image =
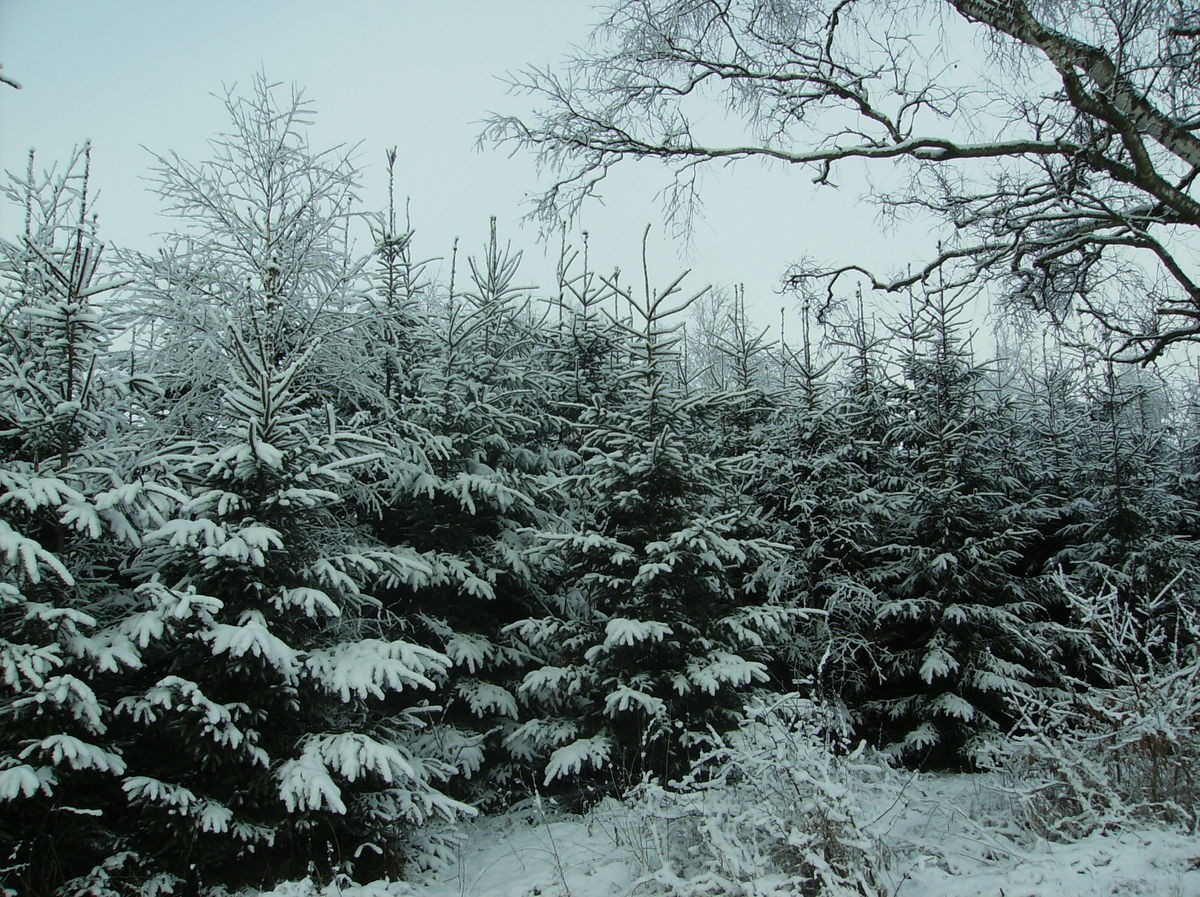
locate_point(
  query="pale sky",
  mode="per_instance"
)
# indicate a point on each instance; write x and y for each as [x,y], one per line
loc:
[136,76]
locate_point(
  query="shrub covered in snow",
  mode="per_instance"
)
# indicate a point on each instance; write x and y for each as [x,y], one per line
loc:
[1126,744]
[780,805]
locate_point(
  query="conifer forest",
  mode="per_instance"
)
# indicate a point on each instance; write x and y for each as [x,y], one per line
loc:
[331,561]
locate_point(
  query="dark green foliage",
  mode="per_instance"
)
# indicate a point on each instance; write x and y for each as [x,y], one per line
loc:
[961,628]
[71,510]
[663,609]
[259,746]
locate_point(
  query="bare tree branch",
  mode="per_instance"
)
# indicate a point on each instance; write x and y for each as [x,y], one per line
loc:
[4,79]
[1072,184]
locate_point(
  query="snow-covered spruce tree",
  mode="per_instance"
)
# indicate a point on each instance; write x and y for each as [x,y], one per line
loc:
[71,510]
[272,731]
[1134,519]
[479,414]
[1112,462]
[584,346]
[824,481]
[256,317]
[776,411]
[960,626]
[663,606]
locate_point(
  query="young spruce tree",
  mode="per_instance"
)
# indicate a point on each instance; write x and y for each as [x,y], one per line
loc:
[960,628]
[659,625]
[272,734]
[72,510]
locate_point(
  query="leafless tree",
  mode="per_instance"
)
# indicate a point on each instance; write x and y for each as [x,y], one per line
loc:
[1057,139]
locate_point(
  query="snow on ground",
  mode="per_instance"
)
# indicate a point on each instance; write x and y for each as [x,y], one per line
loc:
[1132,864]
[961,843]
[947,837]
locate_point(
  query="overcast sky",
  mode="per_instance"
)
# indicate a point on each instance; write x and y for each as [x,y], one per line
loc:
[136,76]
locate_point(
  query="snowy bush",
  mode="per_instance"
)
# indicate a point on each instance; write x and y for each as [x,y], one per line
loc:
[1124,745]
[778,807]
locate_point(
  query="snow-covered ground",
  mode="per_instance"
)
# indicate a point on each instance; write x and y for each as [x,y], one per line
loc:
[944,836]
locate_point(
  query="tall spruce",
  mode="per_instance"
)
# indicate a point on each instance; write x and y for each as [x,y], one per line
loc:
[825,480]
[959,628]
[660,623]
[287,621]
[489,437]
[72,511]
[1133,522]
[262,248]
[272,732]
